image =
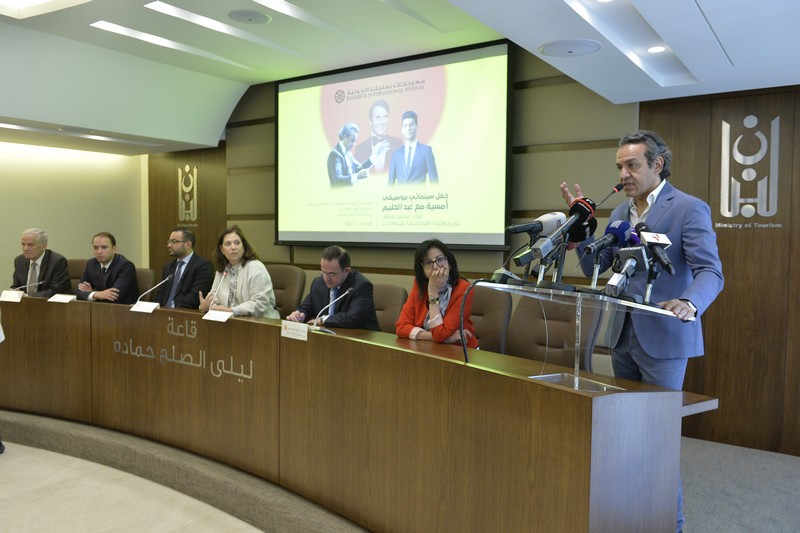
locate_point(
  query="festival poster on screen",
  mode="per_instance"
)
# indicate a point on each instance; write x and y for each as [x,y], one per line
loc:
[453,183]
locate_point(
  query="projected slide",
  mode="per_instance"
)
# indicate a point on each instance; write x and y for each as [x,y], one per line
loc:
[396,154]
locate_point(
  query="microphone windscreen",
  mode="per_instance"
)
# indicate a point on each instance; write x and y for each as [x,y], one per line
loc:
[582,231]
[621,230]
[583,207]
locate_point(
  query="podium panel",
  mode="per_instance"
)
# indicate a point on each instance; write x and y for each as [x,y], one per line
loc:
[204,386]
[45,360]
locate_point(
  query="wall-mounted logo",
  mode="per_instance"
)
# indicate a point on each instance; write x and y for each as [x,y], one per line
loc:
[757,172]
[187,193]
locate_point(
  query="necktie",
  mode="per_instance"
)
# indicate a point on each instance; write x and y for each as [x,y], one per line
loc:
[33,277]
[408,158]
[105,276]
[174,288]
[331,309]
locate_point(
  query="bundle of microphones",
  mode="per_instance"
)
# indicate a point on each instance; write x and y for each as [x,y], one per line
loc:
[639,248]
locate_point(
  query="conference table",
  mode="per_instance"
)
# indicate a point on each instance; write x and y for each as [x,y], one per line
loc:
[393,434]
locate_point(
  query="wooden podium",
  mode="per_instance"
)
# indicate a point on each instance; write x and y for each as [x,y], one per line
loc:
[393,434]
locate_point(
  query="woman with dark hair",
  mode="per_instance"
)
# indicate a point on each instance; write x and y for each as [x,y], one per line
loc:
[432,311]
[241,284]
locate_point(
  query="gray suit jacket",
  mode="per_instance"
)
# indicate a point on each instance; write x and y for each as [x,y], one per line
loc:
[686,220]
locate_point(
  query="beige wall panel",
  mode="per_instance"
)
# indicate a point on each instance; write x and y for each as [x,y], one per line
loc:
[258,102]
[77,194]
[251,194]
[251,146]
[537,177]
[567,113]
[529,67]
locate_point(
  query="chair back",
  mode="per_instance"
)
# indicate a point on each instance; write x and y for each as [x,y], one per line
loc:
[288,283]
[75,268]
[145,279]
[491,311]
[389,300]
[545,331]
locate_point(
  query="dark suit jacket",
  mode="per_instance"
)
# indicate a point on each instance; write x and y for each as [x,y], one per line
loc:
[355,311]
[338,173]
[198,275]
[423,165]
[53,274]
[121,275]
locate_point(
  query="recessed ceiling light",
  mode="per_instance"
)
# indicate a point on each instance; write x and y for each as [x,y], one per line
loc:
[656,49]
[248,16]
[570,48]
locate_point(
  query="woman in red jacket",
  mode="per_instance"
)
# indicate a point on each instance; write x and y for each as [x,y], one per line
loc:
[432,311]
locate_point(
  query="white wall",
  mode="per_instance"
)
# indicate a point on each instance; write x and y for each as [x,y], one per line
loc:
[71,195]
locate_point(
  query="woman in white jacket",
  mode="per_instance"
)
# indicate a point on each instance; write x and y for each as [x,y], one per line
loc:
[241,284]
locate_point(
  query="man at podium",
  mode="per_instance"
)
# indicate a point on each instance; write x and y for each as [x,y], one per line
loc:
[647,347]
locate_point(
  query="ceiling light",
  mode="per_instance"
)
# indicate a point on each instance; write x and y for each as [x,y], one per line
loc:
[624,27]
[22,9]
[161,41]
[657,49]
[570,48]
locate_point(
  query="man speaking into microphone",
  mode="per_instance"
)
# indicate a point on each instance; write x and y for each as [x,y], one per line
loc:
[647,347]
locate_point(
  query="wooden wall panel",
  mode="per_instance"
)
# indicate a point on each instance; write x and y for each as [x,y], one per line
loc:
[163,200]
[746,329]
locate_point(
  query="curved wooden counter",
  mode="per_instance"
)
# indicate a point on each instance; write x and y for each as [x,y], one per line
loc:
[371,427]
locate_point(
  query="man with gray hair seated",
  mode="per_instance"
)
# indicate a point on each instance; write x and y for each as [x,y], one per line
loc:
[38,271]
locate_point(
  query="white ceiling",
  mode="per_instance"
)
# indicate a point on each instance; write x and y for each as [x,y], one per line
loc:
[64,79]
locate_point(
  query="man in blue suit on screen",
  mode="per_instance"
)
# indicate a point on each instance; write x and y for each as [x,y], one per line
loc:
[413,162]
[647,347]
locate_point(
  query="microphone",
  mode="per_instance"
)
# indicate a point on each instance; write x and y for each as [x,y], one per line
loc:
[657,243]
[633,258]
[316,319]
[618,232]
[26,286]
[214,299]
[581,232]
[581,210]
[544,224]
[614,190]
[154,287]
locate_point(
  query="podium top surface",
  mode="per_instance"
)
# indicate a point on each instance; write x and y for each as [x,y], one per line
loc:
[585,297]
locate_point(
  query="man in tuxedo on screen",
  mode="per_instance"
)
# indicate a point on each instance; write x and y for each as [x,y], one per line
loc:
[379,143]
[413,162]
[646,347]
[354,311]
[343,169]
[44,271]
[190,273]
[109,276]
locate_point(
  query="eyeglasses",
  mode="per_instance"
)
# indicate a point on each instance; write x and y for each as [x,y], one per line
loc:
[440,261]
[330,275]
[174,241]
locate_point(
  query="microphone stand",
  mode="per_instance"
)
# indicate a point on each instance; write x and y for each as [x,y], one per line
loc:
[652,274]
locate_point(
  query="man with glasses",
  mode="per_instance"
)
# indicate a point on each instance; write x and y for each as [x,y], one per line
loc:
[191,273]
[355,310]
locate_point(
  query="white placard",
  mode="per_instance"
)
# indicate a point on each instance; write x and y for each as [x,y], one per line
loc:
[145,307]
[218,316]
[11,296]
[62,298]
[294,330]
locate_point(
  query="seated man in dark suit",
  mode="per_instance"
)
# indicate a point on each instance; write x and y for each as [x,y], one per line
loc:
[43,271]
[195,274]
[109,277]
[355,311]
